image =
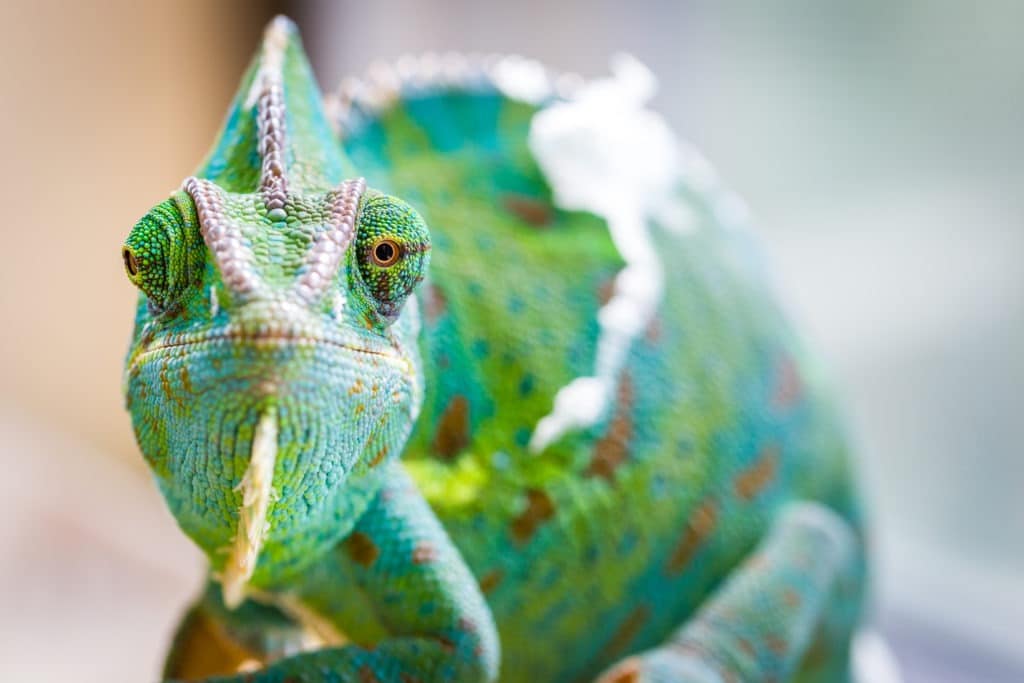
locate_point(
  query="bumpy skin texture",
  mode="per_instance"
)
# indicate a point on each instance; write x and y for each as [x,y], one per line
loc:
[350,448]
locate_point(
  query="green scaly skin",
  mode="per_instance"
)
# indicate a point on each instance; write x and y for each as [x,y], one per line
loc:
[351,448]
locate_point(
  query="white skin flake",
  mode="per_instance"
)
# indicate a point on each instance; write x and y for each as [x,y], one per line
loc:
[605,153]
[214,303]
[257,493]
[522,79]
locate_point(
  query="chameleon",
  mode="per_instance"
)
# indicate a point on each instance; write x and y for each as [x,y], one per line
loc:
[473,371]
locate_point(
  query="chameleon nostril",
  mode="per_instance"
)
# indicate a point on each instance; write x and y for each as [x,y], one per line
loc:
[130,264]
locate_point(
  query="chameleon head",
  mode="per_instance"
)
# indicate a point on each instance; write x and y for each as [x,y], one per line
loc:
[273,366]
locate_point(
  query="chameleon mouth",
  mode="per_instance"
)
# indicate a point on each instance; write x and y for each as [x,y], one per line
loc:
[257,495]
[268,339]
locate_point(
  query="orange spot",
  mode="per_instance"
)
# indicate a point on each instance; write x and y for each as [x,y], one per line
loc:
[447,644]
[186,380]
[627,631]
[776,644]
[539,508]
[626,671]
[361,549]
[534,211]
[612,449]
[381,454]
[700,525]
[356,387]
[788,384]
[453,428]
[605,291]
[491,580]
[165,383]
[755,478]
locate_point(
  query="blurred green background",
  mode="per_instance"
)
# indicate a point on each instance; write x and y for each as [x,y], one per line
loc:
[878,143]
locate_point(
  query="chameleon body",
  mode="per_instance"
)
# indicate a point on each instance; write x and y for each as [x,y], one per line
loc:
[588,441]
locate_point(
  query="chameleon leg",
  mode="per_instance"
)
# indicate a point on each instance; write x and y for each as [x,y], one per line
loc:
[827,658]
[759,624]
[211,640]
[423,593]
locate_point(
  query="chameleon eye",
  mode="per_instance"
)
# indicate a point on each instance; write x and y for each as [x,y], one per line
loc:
[163,252]
[385,253]
[131,265]
[391,252]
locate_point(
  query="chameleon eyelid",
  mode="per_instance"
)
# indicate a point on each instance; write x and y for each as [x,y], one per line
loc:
[131,264]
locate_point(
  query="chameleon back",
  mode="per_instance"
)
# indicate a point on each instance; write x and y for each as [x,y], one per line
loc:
[606,536]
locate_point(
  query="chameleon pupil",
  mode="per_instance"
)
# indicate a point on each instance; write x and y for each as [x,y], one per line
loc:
[385,253]
[130,264]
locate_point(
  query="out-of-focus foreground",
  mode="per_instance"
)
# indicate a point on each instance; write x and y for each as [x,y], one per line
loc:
[878,144]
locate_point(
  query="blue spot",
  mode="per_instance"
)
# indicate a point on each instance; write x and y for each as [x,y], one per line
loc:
[658,487]
[481,348]
[526,385]
[628,542]
[522,437]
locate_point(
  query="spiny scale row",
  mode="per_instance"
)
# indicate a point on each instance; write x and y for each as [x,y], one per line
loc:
[515,76]
[270,122]
[324,257]
[222,236]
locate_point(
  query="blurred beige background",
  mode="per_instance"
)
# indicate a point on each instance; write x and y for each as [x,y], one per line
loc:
[106,108]
[878,143]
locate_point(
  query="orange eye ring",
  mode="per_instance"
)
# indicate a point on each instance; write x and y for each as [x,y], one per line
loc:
[385,253]
[131,264]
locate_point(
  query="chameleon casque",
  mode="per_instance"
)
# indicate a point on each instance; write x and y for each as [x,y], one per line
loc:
[564,433]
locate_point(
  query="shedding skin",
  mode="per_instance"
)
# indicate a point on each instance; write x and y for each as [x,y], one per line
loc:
[257,489]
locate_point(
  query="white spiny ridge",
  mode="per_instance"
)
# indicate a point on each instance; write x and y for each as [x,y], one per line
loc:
[222,236]
[518,78]
[268,94]
[323,258]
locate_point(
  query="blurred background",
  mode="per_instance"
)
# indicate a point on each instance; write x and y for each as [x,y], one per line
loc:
[878,142]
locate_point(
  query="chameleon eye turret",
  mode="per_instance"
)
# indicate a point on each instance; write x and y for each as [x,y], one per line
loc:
[162,254]
[392,250]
